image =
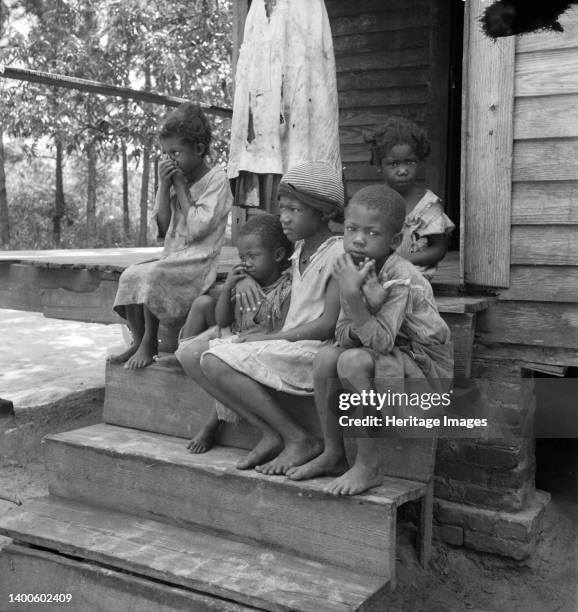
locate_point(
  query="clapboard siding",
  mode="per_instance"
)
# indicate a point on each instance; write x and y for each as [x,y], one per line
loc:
[546,73]
[555,245]
[545,41]
[540,203]
[554,117]
[546,159]
[386,54]
[542,284]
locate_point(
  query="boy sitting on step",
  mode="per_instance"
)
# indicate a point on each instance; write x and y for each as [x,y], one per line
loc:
[264,251]
[389,329]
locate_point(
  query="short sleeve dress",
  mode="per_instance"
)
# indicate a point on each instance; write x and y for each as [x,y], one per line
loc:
[281,364]
[426,219]
[188,264]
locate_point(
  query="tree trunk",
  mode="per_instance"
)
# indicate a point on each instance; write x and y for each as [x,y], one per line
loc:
[144,192]
[91,196]
[59,197]
[125,211]
[4,219]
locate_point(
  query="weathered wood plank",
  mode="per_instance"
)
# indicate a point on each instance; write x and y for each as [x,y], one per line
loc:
[543,41]
[524,353]
[546,73]
[487,145]
[531,323]
[384,21]
[412,94]
[538,203]
[383,59]
[542,284]
[381,79]
[545,245]
[340,8]
[461,304]
[554,117]
[545,160]
[373,117]
[394,41]
[155,476]
[196,560]
[95,588]
[463,328]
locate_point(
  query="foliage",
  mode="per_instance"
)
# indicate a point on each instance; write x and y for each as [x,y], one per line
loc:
[184,45]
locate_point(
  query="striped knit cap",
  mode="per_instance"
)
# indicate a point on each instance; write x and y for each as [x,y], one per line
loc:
[315,184]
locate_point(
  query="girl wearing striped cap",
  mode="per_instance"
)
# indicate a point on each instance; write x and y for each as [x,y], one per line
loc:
[242,376]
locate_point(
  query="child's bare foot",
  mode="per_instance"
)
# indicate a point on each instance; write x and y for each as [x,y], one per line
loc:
[357,480]
[143,356]
[125,355]
[205,439]
[326,464]
[295,453]
[269,446]
[167,361]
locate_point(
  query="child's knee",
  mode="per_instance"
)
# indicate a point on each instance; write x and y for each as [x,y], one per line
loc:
[325,363]
[204,303]
[355,362]
[212,367]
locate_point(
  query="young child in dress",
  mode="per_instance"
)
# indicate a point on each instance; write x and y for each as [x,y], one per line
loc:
[241,376]
[191,209]
[389,330]
[399,147]
[264,251]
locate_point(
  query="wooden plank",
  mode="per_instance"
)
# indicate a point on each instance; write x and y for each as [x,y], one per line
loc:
[531,323]
[94,588]
[546,160]
[374,116]
[341,8]
[555,245]
[394,41]
[487,150]
[523,353]
[552,117]
[383,21]
[157,477]
[381,79]
[535,203]
[546,73]
[542,284]
[462,327]
[461,304]
[548,40]
[392,58]
[247,574]
[412,94]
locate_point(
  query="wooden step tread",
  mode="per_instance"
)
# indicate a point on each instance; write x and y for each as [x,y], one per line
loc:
[163,449]
[206,563]
[461,304]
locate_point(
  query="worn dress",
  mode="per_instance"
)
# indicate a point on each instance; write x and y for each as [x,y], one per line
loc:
[426,219]
[188,264]
[406,336]
[281,364]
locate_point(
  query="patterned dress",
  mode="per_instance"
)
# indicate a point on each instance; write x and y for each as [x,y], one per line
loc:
[188,264]
[281,364]
[426,219]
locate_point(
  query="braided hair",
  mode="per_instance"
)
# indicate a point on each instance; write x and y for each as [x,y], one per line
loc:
[398,131]
[188,123]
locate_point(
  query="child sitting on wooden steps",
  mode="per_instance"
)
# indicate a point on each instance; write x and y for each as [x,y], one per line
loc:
[399,148]
[243,375]
[264,251]
[389,329]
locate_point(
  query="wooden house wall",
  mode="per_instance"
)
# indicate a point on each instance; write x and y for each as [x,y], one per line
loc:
[384,52]
[540,307]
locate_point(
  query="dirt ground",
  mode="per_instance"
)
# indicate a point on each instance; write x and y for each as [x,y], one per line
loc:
[457,579]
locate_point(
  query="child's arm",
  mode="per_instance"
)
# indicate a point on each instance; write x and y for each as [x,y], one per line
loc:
[435,251]
[322,328]
[376,331]
[224,309]
[167,169]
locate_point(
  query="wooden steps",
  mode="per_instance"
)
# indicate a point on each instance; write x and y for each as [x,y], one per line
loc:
[155,476]
[212,572]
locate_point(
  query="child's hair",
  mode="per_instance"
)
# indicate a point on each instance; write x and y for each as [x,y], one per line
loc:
[398,131]
[385,200]
[188,123]
[269,231]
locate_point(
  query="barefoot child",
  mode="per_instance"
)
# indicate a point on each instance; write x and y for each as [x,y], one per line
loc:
[264,251]
[192,204]
[242,375]
[389,329]
[399,147]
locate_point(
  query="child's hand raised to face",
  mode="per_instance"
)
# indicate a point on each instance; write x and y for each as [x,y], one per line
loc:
[348,275]
[235,275]
[169,171]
